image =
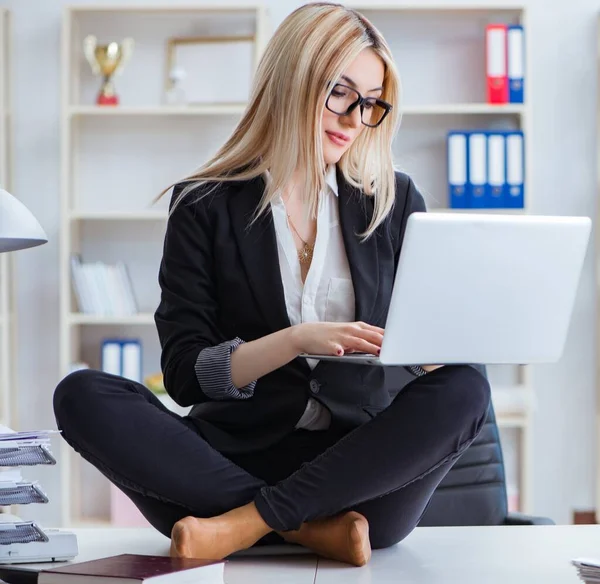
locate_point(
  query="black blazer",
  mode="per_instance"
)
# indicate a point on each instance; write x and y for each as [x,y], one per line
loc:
[220,279]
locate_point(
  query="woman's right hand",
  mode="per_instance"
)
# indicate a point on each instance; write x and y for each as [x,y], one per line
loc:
[336,338]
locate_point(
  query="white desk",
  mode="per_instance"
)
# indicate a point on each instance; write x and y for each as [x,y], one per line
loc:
[429,555]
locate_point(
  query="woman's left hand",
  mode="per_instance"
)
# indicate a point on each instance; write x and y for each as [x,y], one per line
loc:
[430,368]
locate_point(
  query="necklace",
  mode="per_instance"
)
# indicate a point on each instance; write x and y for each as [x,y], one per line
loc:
[306,253]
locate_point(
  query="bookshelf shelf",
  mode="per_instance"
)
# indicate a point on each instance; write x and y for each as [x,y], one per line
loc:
[162,110]
[464,109]
[238,110]
[118,216]
[512,421]
[145,318]
[436,9]
[166,9]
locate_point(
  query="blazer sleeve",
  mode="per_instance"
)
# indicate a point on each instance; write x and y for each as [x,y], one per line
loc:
[195,358]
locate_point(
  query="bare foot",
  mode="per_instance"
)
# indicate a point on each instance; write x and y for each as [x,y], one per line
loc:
[217,537]
[199,538]
[344,538]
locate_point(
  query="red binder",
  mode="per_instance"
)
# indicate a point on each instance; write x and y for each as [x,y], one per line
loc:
[496,63]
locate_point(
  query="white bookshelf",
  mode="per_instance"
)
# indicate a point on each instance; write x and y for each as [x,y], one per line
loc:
[429,43]
[597,268]
[115,160]
[7,328]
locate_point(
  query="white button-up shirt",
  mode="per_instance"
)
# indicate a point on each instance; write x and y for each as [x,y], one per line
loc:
[328,293]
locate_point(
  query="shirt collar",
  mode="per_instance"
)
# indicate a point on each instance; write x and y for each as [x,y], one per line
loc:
[331,178]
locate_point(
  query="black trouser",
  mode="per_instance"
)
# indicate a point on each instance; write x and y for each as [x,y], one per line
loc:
[386,469]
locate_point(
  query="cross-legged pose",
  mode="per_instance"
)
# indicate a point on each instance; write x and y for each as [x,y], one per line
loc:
[285,242]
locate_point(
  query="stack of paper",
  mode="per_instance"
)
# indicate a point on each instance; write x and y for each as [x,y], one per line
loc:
[588,569]
[19,449]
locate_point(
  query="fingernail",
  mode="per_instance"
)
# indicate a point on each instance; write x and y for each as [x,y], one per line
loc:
[339,351]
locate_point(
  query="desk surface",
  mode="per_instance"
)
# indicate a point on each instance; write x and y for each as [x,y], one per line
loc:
[429,555]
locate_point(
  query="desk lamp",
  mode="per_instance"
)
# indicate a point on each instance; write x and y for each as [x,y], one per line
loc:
[19,229]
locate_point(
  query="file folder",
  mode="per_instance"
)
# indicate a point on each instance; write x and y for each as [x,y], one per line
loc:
[496,63]
[496,162]
[516,63]
[477,150]
[515,170]
[457,170]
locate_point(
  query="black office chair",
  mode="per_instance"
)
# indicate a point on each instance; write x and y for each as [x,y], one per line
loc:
[474,490]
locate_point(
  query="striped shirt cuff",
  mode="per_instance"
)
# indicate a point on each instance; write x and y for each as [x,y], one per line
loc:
[213,371]
[416,370]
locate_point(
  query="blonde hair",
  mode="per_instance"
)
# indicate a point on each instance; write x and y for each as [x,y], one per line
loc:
[281,131]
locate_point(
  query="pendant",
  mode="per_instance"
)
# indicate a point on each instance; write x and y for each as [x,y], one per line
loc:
[305,254]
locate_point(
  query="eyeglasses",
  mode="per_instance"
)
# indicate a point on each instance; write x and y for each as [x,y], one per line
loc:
[343,100]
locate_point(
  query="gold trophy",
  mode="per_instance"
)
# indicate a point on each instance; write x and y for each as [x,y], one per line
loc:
[108,61]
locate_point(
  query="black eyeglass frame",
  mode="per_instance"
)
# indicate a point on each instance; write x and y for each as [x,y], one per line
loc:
[360,102]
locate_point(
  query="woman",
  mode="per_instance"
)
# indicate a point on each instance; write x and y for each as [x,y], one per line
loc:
[285,242]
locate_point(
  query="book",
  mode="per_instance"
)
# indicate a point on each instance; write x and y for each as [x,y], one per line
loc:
[137,569]
[588,569]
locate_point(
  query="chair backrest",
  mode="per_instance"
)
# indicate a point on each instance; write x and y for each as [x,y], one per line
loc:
[474,490]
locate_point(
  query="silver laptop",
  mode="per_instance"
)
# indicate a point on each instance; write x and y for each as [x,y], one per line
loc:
[482,288]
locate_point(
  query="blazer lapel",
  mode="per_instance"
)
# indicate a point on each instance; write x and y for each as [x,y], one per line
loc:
[355,213]
[258,249]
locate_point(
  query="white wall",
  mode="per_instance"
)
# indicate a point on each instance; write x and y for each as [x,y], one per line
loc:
[564,83]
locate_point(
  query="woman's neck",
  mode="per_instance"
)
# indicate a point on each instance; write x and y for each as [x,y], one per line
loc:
[295,186]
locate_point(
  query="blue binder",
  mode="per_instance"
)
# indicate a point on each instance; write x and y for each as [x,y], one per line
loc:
[122,357]
[111,357]
[516,63]
[131,352]
[496,188]
[515,170]
[477,174]
[457,152]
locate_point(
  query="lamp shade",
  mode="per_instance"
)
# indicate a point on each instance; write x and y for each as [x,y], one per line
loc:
[19,229]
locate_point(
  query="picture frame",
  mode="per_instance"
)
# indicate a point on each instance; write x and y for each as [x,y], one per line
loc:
[209,69]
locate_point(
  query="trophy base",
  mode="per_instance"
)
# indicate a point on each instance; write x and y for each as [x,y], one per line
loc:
[107,100]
